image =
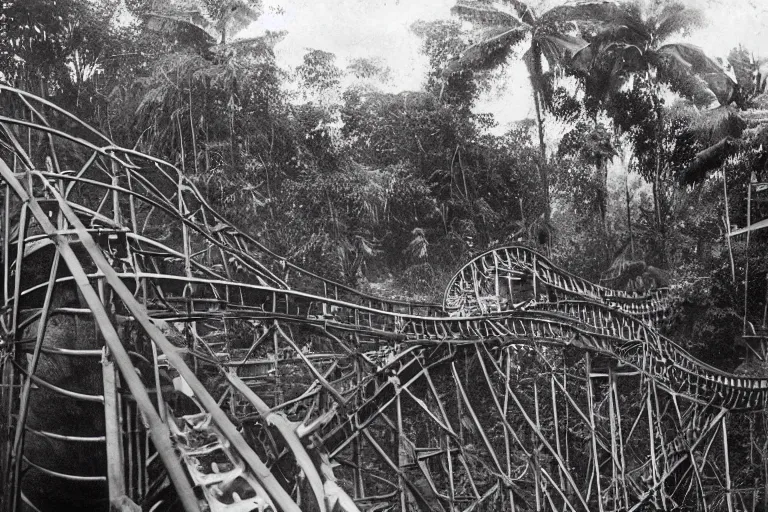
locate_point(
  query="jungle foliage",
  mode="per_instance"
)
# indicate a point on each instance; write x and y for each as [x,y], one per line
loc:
[328,167]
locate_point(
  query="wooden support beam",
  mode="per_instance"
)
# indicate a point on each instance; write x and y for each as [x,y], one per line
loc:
[542,439]
[727,458]
[400,461]
[112,429]
[640,503]
[6,438]
[591,408]
[536,442]
[359,490]
[615,470]
[652,440]
[505,409]
[622,461]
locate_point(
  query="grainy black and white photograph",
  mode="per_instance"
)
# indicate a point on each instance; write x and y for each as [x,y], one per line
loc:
[383,255]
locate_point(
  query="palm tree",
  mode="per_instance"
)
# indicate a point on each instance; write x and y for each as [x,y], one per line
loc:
[633,46]
[553,37]
[215,19]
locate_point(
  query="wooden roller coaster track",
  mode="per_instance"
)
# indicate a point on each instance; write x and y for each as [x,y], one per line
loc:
[491,283]
[153,353]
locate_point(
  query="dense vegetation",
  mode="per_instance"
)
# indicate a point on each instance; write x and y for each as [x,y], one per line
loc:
[361,185]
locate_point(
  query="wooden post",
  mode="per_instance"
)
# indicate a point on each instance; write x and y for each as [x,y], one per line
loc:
[622,460]
[507,371]
[276,348]
[451,485]
[114,438]
[5,435]
[496,281]
[400,461]
[659,429]
[158,389]
[726,454]
[126,420]
[590,406]
[537,472]
[652,441]
[567,418]
[746,250]
[358,474]
[6,241]
[556,426]
[614,450]
[23,221]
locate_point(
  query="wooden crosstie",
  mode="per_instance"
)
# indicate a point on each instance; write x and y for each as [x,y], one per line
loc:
[499,279]
[153,352]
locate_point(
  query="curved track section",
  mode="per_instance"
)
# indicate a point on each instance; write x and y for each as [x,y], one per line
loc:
[507,278]
[207,384]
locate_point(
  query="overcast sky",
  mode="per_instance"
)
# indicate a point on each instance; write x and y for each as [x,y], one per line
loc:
[381,28]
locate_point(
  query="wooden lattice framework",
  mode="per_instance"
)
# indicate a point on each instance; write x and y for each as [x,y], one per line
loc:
[210,383]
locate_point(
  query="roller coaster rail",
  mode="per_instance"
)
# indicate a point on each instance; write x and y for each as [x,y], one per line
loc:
[216,386]
[487,283]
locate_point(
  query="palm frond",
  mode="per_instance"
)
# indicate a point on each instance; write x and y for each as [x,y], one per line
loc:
[710,159]
[677,18]
[686,84]
[209,19]
[558,50]
[232,16]
[418,248]
[249,46]
[524,11]
[565,44]
[493,46]
[678,59]
[715,125]
[193,22]
[488,13]
[590,12]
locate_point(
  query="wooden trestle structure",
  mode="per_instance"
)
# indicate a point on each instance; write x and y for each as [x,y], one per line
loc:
[153,352]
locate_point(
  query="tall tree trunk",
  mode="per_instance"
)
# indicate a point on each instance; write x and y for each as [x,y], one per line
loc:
[207,140]
[192,128]
[657,170]
[533,62]
[603,169]
[629,216]
[657,193]
[543,172]
[540,125]
[727,222]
